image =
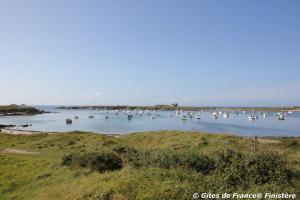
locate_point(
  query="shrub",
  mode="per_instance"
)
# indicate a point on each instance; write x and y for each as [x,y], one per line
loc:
[238,170]
[124,150]
[96,161]
[169,159]
[269,167]
[290,143]
[200,163]
[71,142]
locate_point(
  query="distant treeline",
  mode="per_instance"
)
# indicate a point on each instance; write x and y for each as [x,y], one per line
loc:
[190,108]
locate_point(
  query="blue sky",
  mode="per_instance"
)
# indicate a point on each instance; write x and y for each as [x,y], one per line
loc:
[224,53]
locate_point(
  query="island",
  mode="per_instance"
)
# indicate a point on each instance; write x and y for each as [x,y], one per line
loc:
[13,109]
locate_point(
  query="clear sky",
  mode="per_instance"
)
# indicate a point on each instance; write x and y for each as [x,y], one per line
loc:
[194,52]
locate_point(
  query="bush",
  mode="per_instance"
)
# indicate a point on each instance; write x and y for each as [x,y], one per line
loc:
[200,163]
[169,159]
[269,167]
[238,170]
[96,161]
[290,143]
[225,170]
[71,142]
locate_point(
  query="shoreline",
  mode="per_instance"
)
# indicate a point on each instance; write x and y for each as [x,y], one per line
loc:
[185,108]
[31,132]
[11,131]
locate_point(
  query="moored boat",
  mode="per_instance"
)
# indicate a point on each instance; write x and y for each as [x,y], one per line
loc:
[281,117]
[68,121]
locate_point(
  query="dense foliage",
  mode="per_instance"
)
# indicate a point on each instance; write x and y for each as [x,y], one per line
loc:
[155,165]
[229,168]
[98,161]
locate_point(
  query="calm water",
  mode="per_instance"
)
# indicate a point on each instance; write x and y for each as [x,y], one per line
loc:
[235,124]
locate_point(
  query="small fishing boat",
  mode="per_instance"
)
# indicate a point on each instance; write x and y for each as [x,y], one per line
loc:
[129,117]
[198,117]
[106,117]
[91,116]
[68,121]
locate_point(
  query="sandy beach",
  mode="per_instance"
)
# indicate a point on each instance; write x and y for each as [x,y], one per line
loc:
[21,132]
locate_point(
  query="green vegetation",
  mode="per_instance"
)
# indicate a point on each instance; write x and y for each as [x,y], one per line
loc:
[96,161]
[152,165]
[18,110]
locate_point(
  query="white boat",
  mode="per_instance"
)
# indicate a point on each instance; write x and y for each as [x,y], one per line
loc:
[281,117]
[264,115]
[184,117]
[215,115]
[198,117]
[277,114]
[252,117]
[226,115]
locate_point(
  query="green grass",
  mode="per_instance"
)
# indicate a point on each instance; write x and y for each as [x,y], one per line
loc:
[155,165]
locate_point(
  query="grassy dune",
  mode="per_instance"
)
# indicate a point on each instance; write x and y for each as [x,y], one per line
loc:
[154,165]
